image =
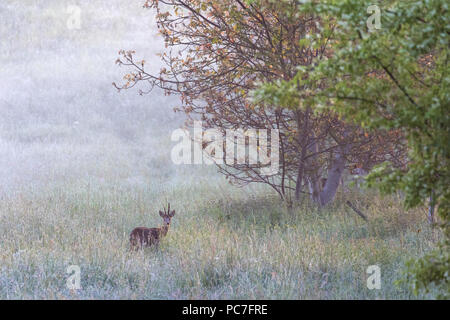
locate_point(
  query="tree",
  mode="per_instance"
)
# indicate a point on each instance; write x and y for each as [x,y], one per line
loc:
[217,53]
[395,78]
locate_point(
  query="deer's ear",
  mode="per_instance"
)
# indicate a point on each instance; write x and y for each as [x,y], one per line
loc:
[161,213]
[172,213]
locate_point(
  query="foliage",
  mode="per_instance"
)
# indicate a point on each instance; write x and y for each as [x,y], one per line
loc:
[432,270]
[395,77]
[216,54]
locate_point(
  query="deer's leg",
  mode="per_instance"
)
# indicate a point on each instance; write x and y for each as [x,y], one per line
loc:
[132,242]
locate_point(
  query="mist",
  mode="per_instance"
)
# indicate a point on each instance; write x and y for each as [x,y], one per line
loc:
[61,118]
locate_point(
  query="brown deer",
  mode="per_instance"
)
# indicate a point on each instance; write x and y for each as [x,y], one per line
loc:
[145,237]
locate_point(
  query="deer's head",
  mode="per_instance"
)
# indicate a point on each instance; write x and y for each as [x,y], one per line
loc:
[167,215]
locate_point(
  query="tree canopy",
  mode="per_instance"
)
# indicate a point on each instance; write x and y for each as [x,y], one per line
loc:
[217,53]
[393,77]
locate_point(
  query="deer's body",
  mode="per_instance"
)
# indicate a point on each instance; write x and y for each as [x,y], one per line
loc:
[145,237]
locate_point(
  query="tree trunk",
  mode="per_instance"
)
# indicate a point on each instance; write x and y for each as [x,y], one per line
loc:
[324,194]
[314,177]
[303,140]
[314,188]
[335,173]
[431,209]
[333,180]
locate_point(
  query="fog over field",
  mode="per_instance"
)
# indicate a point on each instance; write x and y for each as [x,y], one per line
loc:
[82,164]
[61,118]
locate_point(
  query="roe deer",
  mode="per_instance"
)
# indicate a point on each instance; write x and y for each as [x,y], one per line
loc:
[146,237]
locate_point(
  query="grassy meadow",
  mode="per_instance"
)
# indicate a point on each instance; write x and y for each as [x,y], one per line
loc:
[224,243]
[82,165]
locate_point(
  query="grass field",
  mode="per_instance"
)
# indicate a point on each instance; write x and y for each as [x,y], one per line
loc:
[224,243]
[81,166]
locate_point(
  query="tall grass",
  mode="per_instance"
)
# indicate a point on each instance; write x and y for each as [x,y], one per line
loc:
[224,243]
